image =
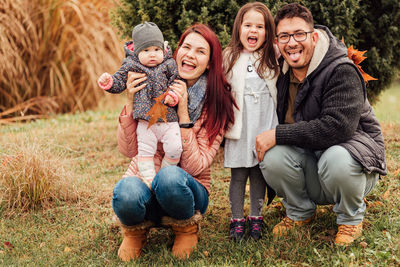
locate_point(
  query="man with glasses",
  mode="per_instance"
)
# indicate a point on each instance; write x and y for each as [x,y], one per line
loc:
[328,147]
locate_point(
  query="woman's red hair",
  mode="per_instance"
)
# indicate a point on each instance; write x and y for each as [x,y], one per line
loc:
[219,101]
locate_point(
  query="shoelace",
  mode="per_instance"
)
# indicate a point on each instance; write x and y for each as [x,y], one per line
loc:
[256,226]
[347,229]
[239,229]
[287,221]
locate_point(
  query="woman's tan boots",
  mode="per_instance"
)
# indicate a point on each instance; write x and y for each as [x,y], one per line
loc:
[185,240]
[134,239]
[186,234]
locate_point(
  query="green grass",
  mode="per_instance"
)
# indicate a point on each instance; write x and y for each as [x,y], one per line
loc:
[81,233]
[387,109]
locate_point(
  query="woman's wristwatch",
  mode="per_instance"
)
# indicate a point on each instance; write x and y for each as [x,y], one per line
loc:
[186,125]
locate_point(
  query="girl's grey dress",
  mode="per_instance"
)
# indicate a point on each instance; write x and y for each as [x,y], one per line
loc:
[259,115]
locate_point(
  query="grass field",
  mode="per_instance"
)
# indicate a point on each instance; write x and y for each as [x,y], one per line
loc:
[80,232]
[387,109]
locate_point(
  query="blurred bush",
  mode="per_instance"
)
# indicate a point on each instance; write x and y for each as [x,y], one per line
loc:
[51,53]
[371,25]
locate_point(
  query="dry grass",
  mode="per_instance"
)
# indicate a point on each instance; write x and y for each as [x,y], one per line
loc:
[32,177]
[51,53]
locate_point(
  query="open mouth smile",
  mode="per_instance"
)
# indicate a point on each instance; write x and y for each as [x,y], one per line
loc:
[188,65]
[294,54]
[252,40]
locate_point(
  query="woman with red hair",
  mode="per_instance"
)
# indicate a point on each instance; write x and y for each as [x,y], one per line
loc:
[179,194]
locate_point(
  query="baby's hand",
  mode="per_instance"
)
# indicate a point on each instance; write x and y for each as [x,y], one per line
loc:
[171,99]
[104,79]
[168,100]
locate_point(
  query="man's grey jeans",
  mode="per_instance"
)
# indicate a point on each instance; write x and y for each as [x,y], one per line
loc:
[305,178]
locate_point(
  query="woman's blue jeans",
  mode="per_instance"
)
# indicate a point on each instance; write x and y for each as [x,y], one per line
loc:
[175,194]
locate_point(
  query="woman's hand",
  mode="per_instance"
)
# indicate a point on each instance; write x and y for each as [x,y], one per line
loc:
[132,84]
[180,88]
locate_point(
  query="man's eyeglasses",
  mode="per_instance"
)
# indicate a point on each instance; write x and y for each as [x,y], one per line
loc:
[284,38]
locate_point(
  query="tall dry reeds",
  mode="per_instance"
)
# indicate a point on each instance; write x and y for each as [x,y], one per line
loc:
[32,176]
[51,53]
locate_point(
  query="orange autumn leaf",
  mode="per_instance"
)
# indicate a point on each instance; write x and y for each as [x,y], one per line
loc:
[357,57]
[158,110]
[363,244]
[8,245]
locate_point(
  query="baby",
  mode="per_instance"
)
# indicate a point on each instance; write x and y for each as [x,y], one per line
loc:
[146,54]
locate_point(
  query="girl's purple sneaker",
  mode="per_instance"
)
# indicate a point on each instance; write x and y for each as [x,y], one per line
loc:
[236,229]
[255,227]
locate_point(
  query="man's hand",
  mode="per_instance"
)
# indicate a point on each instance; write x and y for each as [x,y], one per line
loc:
[264,142]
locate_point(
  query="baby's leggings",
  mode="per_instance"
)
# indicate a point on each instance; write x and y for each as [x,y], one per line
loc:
[169,134]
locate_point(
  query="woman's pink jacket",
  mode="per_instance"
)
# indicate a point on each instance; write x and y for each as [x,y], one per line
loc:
[196,157]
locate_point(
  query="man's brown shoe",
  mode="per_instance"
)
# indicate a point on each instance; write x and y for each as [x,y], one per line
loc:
[287,224]
[347,234]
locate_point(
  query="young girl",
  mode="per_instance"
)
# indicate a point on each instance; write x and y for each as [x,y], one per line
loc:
[251,68]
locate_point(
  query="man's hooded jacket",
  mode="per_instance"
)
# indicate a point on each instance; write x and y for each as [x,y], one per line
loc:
[331,107]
